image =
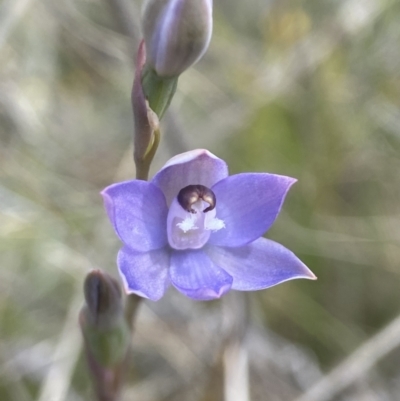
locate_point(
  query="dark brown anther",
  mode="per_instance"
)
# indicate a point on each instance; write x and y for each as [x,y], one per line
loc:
[192,193]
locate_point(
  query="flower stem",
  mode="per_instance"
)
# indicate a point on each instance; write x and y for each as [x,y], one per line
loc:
[143,165]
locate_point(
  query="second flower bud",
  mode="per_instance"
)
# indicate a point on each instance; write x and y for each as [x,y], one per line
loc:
[176,33]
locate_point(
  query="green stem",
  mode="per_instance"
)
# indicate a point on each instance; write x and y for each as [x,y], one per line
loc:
[143,165]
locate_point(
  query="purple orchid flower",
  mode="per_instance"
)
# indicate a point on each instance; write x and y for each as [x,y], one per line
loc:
[196,227]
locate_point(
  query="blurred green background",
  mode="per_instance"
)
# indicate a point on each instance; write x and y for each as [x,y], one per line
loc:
[305,88]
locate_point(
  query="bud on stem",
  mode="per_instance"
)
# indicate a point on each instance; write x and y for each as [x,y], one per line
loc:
[105,332]
[177,33]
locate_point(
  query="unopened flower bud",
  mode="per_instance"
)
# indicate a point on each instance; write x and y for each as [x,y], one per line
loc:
[103,298]
[176,33]
[102,321]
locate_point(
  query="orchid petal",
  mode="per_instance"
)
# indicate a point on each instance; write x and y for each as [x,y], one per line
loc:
[248,204]
[144,273]
[261,264]
[196,276]
[138,212]
[190,168]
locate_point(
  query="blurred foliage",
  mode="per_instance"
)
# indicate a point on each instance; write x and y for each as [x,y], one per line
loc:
[305,88]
